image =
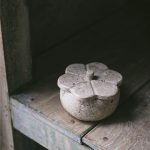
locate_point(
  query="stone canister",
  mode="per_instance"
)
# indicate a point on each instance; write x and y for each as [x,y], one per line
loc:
[89,92]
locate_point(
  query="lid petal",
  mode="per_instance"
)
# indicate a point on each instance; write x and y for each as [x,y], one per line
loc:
[67,80]
[83,90]
[111,76]
[104,90]
[96,67]
[76,69]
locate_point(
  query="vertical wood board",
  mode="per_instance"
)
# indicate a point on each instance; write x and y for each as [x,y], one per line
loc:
[15,30]
[6,137]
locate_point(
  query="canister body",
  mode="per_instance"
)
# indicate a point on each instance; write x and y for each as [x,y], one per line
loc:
[89,109]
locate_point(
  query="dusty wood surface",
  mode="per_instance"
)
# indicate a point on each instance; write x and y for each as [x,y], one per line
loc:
[116,131]
[39,98]
[36,127]
[122,130]
[43,100]
[128,127]
[52,21]
[128,131]
[6,137]
[15,27]
[136,75]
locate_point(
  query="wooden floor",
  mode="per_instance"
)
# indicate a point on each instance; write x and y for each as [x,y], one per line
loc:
[123,46]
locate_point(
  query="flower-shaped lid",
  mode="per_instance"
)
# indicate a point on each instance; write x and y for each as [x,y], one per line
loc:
[93,79]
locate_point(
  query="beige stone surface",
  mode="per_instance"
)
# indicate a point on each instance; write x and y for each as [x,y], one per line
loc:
[89,92]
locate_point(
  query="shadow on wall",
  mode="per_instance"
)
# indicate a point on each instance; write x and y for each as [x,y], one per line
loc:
[52,21]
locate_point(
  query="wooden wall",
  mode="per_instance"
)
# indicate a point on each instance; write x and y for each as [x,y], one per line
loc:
[15,27]
[6,137]
[16,41]
[53,21]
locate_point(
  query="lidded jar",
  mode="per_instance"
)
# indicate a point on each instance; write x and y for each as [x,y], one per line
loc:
[89,92]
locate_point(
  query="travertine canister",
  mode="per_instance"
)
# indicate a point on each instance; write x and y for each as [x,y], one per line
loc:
[89,92]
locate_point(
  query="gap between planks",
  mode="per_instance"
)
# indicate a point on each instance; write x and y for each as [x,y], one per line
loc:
[40,107]
[130,134]
[139,83]
[39,99]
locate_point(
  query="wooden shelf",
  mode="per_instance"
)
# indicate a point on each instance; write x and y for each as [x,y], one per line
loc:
[37,113]
[117,36]
[128,128]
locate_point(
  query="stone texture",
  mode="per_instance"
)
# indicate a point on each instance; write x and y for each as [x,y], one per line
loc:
[89,92]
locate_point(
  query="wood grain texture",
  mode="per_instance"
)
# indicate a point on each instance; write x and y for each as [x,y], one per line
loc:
[128,127]
[15,27]
[36,127]
[121,130]
[39,98]
[6,137]
[55,20]
[42,101]
[129,131]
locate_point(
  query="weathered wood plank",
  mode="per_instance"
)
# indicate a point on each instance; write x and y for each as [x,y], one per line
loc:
[53,20]
[129,131]
[42,104]
[40,98]
[43,100]
[45,106]
[134,66]
[38,128]
[6,137]
[15,27]
[127,128]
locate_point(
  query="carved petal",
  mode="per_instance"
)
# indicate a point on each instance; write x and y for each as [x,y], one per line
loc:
[77,69]
[67,80]
[112,77]
[83,90]
[104,90]
[97,68]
